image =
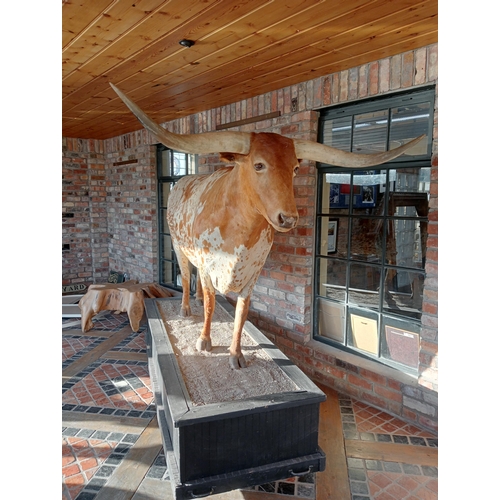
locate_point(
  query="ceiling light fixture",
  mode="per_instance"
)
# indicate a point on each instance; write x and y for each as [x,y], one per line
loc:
[186,43]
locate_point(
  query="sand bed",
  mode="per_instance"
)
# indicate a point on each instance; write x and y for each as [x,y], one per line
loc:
[207,375]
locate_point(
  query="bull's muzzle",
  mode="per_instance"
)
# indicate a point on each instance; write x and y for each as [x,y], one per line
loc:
[287,221]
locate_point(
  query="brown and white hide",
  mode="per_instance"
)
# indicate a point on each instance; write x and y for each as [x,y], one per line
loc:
[224,225]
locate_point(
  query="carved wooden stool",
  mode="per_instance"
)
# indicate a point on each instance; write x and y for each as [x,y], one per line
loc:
[121,297]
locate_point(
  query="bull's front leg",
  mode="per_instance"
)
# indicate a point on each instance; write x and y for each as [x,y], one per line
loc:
[204,342]
[236,358]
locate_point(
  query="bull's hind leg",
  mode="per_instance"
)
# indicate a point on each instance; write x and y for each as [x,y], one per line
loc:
[204,342]
[186,279]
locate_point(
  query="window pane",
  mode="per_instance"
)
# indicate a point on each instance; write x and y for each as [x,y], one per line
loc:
[400,341]
[408,122]
[191,166]
[367,190]
[167,272]
[337,133]
[337,193]
[179,166]
[331,278]
[404,293]
[165,188]
[406,242]
[370,132]
[331,320]
[364,285]
[168,252]
[367,236]
[363,331]
[163,226]
[165,163]
[410,180]
[409,192]
[334,233]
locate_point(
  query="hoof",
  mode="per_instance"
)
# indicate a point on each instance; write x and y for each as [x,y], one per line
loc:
[237,362]
[203,345]
[185,312]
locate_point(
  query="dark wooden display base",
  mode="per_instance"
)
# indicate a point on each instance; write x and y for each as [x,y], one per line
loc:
[228,445]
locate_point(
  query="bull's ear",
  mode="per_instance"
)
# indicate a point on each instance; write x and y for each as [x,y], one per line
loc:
[230,157]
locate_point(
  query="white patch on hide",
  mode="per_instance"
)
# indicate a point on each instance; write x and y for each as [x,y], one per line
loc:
[230,272]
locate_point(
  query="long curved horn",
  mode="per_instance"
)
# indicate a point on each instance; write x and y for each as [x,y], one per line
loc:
[208,142]
[326,154]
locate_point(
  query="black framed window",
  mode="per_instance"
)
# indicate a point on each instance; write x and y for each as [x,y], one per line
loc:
[372,230]
[171,166]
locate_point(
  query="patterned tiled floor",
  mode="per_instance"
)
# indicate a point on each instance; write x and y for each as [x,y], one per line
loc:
[386,480]
[89,458]
[108,404]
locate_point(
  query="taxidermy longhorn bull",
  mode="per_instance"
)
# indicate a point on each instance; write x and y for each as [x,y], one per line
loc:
[224,223]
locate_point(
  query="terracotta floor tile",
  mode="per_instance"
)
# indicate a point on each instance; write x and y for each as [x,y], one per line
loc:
[89,463]
[408,483]
[381,480]
[374,489]
[426,494]
[433,485]
[72,346]
[397,491]
[384,495]
[138,343]
[384,485]
[70,470]
[389,428]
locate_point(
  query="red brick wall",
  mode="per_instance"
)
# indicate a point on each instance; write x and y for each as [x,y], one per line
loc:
[282,300]
[110,188]
[132,206]
[85,259]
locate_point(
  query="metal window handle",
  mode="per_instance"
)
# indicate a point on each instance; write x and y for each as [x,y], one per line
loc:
[303,473]
[201,495]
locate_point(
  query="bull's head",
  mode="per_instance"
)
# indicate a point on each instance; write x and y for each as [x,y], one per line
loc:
[261,153]
[266,178]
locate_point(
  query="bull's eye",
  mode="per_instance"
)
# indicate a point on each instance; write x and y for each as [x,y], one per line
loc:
[296,170]
[259,167]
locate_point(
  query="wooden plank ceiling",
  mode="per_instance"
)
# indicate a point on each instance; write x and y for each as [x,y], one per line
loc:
[242,48]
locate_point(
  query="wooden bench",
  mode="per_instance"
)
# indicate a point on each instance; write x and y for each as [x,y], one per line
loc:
[120,297]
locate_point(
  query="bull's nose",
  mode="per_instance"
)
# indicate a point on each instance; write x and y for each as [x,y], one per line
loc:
[286,221]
